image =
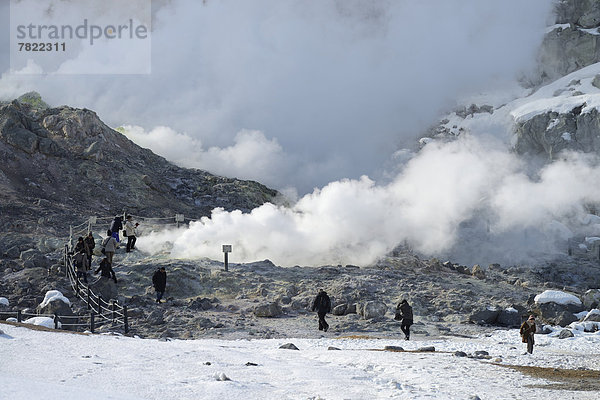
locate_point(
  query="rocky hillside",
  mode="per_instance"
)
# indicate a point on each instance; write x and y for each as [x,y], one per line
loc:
[61,165]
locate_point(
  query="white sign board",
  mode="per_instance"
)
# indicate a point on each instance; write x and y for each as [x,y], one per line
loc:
[179,218]
[226,248]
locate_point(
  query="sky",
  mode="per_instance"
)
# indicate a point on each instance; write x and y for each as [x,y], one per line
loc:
[70,367]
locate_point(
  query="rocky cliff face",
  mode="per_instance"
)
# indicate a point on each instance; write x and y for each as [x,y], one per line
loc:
[61,165]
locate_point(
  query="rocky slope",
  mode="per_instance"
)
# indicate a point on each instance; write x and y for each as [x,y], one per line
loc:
[61,165]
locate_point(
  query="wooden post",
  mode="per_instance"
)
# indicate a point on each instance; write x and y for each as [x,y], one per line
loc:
[19,316]
[55,321]
[226,262]
[113,306]
[88,298]
[226,251]
[92,322]
[98,303]
[125,321]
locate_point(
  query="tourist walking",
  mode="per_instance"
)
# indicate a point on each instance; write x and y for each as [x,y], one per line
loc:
[322,305]
[404,313]
[106,270]
[159,280]
[90,244]
[109,246]
[115,226]
[80,262]
[130,232]
[527,331]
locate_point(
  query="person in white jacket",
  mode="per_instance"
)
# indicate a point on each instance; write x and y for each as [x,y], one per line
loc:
[130,232]
[109,246]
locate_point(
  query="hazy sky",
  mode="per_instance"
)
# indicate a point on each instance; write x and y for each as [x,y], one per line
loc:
[300,92]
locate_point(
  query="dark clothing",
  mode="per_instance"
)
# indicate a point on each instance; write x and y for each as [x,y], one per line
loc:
[115,226]
[527,332]
[90,245]
[106,270]
[80,262]
[404,313]
[322,305]
[159,280]
[130,243]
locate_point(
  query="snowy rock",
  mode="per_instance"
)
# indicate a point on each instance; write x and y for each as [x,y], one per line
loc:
[41,321]
[340,309]
[393,348]
[289,346]
[268,310]
[426,349]
[558,297]
[591,299]
[372,309]
[460,354]
[55,303]
[3,302]
[565,333]
[221,377]
[593,315]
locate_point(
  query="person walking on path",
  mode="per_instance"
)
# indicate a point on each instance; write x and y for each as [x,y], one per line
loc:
[527,331]
[115,226]
[404,313]
[81,264]
[109,245]
[159,280]
[106,270]
[91,244]
[130,232]
[322,305]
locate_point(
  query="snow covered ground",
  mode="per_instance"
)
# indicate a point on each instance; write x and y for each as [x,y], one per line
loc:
[53,365]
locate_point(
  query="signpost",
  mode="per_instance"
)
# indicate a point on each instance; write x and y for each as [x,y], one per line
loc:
[226,251]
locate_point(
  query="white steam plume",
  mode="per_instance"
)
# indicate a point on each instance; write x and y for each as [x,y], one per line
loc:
[469,199]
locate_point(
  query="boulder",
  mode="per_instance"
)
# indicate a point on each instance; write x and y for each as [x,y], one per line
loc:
[105,288]
[156,317]
[509,318]
[485,317]
[268,310]
[591,299]
[289,346]
[55,303]
[200,304]
[478,272]
[564,318]
[565,333]
[372,309]
[460,354]
[553,312]
[393,348]
[426,349]
[12,252]
[593,316]
[340,309]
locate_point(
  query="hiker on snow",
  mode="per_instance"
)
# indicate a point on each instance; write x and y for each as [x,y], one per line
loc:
[109,246]
[130,232]
[159,280]
[80,262]
[106,270]
[527,331]
[404,313]
[115,226]
[322,305]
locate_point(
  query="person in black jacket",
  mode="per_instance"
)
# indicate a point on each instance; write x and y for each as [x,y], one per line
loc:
[90,242]
[106,270]
[322,305]
[159,280]
[115,226]
[404,313]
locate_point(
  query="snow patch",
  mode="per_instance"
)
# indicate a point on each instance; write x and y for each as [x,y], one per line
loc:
[41,321]
[556,296]
[3,301]
[566,136]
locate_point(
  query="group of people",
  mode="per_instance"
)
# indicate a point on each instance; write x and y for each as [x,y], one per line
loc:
[84,248]
[82,257]
[322,305]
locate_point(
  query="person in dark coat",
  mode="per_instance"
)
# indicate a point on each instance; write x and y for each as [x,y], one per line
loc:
[115,226]
[80,245]
[81,265]
[106,270]
[90,242]
[159,280]
[527,331]
[322,305]
[404,313]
